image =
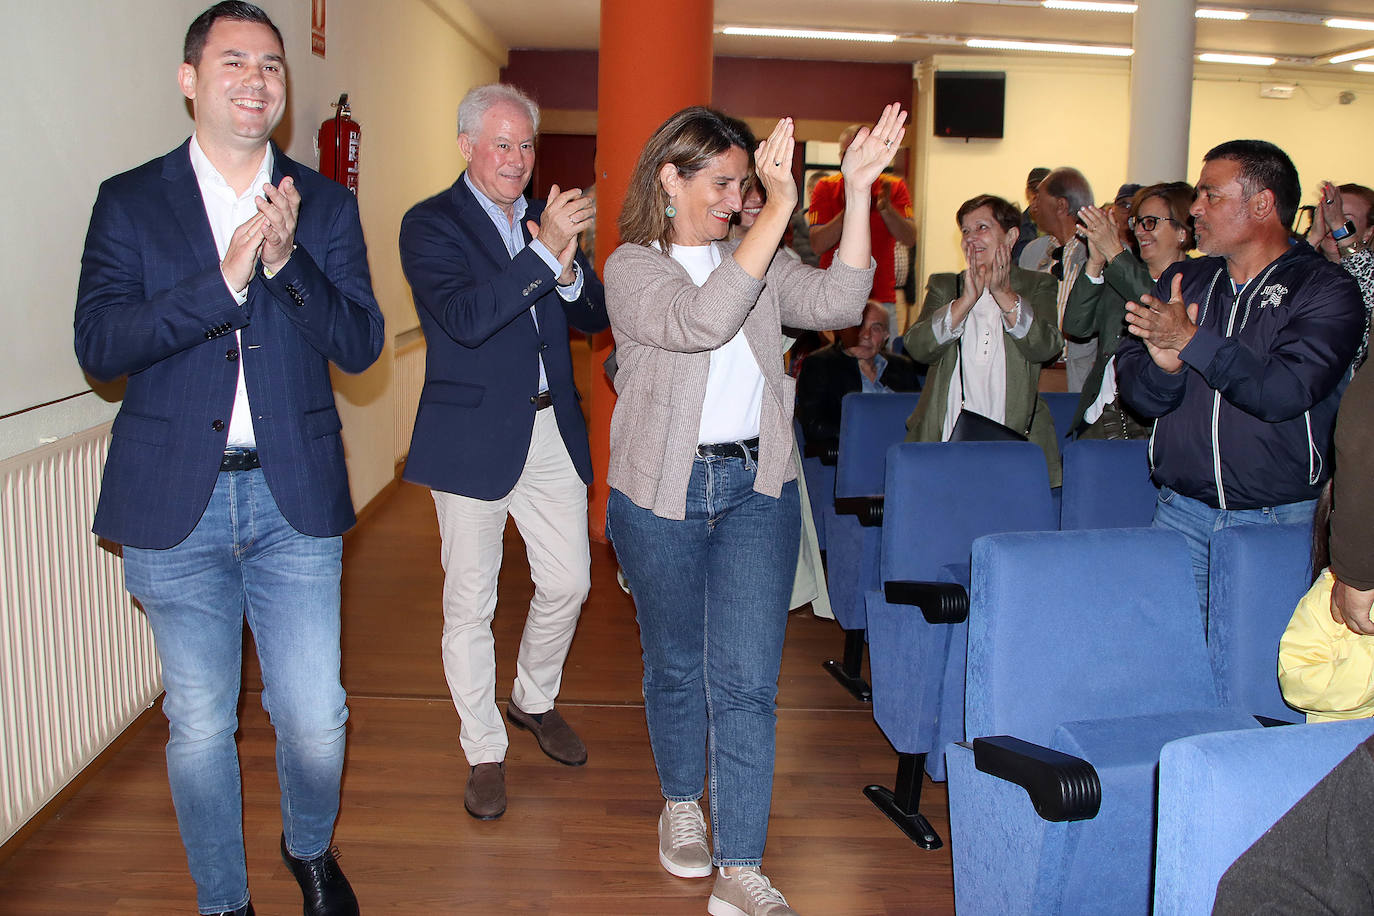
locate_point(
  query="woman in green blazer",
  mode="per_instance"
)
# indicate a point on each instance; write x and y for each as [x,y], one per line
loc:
[985,333]
[1111,277]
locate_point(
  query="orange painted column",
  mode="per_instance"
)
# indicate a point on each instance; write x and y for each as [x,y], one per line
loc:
[655,59]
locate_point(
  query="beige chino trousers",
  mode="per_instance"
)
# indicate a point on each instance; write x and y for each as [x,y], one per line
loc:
[549,506]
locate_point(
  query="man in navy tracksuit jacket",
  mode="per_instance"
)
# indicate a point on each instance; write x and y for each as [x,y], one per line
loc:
[1238,356]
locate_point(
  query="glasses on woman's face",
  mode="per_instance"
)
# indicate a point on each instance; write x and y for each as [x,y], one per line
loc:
[1148,223]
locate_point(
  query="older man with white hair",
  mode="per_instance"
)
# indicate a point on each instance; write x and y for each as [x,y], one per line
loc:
[497,280]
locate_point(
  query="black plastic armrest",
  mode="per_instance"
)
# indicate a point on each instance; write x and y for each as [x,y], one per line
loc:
[1061,787]
[940,602]
[1268,722]
[869,509]
[828,450]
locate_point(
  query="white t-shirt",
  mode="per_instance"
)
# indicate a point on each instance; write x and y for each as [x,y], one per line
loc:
[734,386]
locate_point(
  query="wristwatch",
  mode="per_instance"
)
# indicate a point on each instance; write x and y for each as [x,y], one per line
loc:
[1344,233]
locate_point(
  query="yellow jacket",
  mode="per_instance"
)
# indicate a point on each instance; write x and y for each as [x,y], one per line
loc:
[1325,670]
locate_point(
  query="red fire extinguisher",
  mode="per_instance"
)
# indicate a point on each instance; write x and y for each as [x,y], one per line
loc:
[337,145]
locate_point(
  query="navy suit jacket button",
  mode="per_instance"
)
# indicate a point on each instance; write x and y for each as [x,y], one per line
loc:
[232,354]
[217,426]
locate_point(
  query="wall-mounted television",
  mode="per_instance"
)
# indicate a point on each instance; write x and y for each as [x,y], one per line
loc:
[969,103]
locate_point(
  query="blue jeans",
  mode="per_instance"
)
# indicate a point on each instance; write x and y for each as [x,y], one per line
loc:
[711,595]
[244,560]
[1197,521]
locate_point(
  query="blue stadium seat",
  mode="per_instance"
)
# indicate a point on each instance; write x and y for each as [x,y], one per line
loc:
[1081,667]
[1219,792]
[1106,484]
[1063,405]
[1257,575]
[939,497]
[869,423]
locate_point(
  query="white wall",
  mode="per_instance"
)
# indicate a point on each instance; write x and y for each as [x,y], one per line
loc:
[1068,112]
[92,92]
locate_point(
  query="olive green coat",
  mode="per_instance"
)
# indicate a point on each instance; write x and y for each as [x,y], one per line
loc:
[1024,358]
[1100,309]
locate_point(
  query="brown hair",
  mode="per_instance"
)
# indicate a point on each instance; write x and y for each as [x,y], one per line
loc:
[1178,197]
[1006,213]
[689,140]
[1363,193]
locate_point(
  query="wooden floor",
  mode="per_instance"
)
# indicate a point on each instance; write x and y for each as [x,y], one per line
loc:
[574,840]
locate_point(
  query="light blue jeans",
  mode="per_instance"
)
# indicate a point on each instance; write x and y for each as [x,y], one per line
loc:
[1197,522]
[244,560]
[711,595]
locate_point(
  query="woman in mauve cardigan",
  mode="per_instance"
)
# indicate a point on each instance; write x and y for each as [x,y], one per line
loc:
[703,511]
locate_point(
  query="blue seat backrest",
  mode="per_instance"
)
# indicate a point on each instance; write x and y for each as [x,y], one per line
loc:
[942,495]
[1107,484]
[1257,575]
[869,424]
[1072,625]
[1063,405]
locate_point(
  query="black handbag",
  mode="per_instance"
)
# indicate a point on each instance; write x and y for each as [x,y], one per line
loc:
[971,426]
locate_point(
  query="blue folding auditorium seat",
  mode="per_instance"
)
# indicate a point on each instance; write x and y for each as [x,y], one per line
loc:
[869,423]
[1085,657]
[1257,575]
[1063,405]
[1219,792]
[1106,484]
[939,497]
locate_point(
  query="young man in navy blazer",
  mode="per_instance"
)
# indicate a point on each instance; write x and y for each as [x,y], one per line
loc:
[497,281]
[223,279]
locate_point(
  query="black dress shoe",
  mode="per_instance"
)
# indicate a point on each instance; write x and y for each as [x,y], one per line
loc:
[326,890]
[245,910]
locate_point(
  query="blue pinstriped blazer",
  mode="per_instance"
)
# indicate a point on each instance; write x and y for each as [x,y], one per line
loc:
[152,305]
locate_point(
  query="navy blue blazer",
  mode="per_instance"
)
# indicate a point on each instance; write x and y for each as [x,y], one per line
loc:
[476,413]
[152,304]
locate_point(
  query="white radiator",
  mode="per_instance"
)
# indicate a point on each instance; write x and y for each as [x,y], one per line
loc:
[77,664]
[408,377]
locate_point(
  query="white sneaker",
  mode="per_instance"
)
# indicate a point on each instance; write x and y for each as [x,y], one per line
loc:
[746,893]
[682,847]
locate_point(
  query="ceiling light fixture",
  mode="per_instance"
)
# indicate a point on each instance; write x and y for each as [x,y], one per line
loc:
[1364,68]
[1363,25]
[998,44]
[1088,7]
[1352,55]
[1230,15]
[880,37]
[1248,59]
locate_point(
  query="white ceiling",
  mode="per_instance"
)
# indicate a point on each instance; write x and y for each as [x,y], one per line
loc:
[927,28]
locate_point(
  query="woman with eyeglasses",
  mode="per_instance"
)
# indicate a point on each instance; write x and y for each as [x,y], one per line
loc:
[1113,276]
[985,333]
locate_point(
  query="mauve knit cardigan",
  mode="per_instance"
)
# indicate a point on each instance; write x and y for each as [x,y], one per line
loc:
[665,329]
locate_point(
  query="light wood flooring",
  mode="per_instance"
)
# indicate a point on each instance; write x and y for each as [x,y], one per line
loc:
[574,840]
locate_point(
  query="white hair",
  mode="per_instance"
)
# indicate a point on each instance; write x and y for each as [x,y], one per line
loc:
[481,99]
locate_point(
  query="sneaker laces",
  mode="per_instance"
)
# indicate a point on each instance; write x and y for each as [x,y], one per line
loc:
[686,824]
[759,888]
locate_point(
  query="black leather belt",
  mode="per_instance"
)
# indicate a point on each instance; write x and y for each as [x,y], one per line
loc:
[239,459]
[541,400]
[747,449]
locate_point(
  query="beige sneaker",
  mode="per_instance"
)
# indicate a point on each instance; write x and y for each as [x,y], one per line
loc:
[746,893]
[682,847]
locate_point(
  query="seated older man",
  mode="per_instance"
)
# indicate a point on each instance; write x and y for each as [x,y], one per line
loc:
[855,362]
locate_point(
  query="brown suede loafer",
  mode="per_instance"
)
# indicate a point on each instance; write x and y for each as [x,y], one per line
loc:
[555,736]
[485,796]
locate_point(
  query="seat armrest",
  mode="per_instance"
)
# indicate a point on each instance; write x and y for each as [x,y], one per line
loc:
[940,602]
[828,450]
[1061,787]
[869,509]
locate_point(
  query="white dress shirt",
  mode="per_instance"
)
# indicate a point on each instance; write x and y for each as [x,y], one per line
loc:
[227,211]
